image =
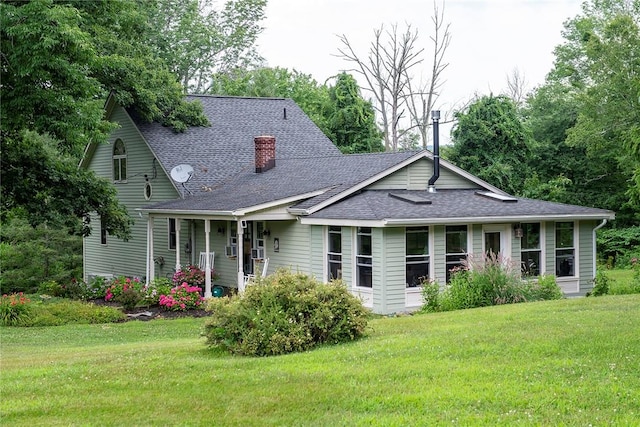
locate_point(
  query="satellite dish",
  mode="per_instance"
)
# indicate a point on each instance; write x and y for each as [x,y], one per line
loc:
[182,173]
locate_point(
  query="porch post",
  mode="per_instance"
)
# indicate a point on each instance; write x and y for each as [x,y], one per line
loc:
[240,251]
[207,262]
[177,244]
[151,273]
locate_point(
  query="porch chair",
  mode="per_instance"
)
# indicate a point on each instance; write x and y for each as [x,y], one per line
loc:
[203,259]
[251,277]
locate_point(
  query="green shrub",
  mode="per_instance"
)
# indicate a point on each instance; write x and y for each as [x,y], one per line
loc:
[32,255]
[66,311]
[490,281]
[52,288]
[153,291]
[619,244]
[430,295]
[543,288]
[15,310]
[96,288]
[600,285]
[282,313]
[125,291]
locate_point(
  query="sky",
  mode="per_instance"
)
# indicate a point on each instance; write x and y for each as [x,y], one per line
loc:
[489,38]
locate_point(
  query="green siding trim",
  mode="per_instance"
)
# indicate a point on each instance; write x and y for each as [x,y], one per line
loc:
[348,275]
[117,257]
[316,254]
[550,248]
[585,255]
[394,263]
[438,255]
[416,177]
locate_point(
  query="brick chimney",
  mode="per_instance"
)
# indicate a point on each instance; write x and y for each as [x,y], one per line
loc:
[265,153]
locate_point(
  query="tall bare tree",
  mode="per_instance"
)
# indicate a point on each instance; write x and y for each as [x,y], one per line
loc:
[421,100]
[516,86]
[391,56]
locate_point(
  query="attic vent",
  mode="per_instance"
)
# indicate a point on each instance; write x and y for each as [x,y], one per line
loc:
[496,196]
[411,198]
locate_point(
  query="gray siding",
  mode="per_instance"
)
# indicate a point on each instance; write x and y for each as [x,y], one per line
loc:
[585,255]
[394,281]
[416,177]
[550,248]
[347,256]
[378,249]
[317,252]
[118,257]
[438,255]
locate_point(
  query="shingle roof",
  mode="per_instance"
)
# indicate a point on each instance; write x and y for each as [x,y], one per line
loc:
[226,148]
[447,205]
[289,178]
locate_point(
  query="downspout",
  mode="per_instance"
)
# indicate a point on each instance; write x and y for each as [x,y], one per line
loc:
[435,115]
[598,227]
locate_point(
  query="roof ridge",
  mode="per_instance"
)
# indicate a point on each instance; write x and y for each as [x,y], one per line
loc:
[203,95]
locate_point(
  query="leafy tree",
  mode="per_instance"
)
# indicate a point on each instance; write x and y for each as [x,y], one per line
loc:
[59,61]
[277,82]
[586,118]
[342,114]
[197,39]
[352,124]
[491,142]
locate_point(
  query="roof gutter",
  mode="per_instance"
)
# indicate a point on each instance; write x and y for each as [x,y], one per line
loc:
[598,227]
[490,219]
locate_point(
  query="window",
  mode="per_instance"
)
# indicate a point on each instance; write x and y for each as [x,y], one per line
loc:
[565,249]
[364,258]
[417,255]
[172,233]
[530,249]
[260,235]
[334,254]
[233,233]
[103,231]
[456,247]
[119,161]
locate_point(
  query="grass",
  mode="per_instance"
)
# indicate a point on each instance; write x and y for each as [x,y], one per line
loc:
[622,282]
[567,362]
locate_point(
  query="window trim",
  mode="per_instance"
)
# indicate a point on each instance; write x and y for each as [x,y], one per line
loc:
[574,248]
[359,258]
[333,230]
[447,254]
[539,249]
[121,159]
[415,230]
[171,234]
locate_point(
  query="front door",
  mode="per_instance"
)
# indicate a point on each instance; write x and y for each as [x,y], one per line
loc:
[496,241]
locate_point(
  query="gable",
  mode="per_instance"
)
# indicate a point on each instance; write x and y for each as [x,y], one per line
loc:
[415,176]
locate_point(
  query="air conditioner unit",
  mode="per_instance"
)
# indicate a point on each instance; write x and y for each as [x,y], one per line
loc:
[257,253]
[231,251]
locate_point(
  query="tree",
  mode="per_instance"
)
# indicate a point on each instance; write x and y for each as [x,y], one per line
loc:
[280,83]
[59,62]
[599,65]
[385,72]
[491,142]
[388,73]
[420,101]
[197,40]
[351,119]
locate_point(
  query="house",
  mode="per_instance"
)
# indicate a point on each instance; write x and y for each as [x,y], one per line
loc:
[263,182]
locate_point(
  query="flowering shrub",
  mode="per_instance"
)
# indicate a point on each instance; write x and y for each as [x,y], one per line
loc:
[191,275]
[158,287]
[181,298]
[124,290]
[14,309]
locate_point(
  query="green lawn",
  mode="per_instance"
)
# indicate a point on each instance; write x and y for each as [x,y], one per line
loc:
[567,362]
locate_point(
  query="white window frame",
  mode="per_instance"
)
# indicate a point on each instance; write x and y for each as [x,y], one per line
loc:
[573,248]
[360,258]
[539,249]
[120,159]
[413,259]
[329,255]
[171,231]
[464,255]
